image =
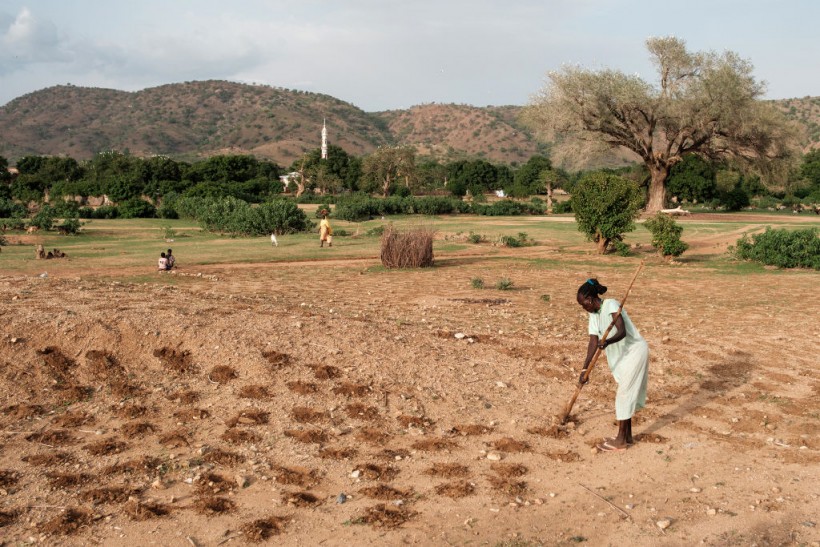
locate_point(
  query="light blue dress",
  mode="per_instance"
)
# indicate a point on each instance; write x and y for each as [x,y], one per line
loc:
[628,359]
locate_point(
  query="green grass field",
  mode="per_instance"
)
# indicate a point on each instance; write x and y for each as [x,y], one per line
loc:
[136,243]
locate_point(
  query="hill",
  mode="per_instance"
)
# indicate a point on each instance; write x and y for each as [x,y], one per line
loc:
[198,119]
[184,121]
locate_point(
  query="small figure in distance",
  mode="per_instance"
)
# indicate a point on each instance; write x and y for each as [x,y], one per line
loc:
[325,231]
[162,263]
[273,241]
[171,259]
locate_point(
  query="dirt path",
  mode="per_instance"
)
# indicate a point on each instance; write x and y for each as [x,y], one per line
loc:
[242,404]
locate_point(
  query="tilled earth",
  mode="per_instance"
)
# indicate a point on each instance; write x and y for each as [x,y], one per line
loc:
[336,403]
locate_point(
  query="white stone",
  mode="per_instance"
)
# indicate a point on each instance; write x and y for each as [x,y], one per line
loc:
[663,524]
[494,456]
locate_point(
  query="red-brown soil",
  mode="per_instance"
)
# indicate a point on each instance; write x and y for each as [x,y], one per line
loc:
[242,411]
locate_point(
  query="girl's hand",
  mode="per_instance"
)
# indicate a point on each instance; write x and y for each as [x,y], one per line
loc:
[602,344]
[581,379]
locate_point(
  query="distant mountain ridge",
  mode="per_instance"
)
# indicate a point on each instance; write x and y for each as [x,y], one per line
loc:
[198,119]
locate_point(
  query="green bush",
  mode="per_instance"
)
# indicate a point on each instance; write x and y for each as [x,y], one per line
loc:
[70,226]
[621,248]
[510,241]
[106,211]
[477,283]
[136,208]
[44,219]
[782,248]
[606,206]
[504,284]
[11,209]
[560,207]
[666,235]
[376,231]
[475,238]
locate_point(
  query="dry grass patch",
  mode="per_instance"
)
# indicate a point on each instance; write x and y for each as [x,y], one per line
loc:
[325,372]
[419,422]
[412,248]
[382,516]
[263,529]
[24,411]
[222,374]
[372,436]
[299,476]
[113,494]
[191,415]
[376,472]
[301,499]
[303,388]
[393,454]
[69,522]
[307,415]
[434,445]
[386,493]
[7,518]
[352,390]
[448,470]
[214,505]
[129,411]
[471,429]
[57,437]
[64,481]
[177,361]
[223,457]
[144,464]
[307,436]
[8,478]
[105,447]
[251,416]
[46,460]
[184,397]
[358,411]
[456,489]
[510,470]
[175,439]
[565,457]
[137,429]
[276,359]
[213,483]
[73,419]
[507,486]
[554,432]
[145,510]
[338,453]
[240,436]
[508,444]
[254,391]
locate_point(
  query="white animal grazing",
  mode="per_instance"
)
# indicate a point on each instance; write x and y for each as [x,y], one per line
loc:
[273,240]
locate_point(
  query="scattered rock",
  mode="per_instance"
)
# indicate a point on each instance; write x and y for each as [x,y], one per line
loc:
[341,498]
[663,524]
[494,456]
[711,512]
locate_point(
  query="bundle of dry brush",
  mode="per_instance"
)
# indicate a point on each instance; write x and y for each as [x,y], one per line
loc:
[412,248]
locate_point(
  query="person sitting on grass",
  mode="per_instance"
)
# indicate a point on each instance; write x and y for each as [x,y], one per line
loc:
[627,354]
[162,263]
[171,259]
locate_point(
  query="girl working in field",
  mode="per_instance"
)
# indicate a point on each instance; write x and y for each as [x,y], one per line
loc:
[627,354]
[325,231]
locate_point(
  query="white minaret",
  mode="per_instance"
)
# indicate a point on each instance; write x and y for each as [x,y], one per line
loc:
[324,139]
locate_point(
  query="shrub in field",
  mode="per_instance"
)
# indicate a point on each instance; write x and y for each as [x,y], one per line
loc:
[475,238]
[606,207]
[477,283]
[11,209]
[167,231]
[412,248]
[621,248]
[136,208]
[560,207]
[44,219]
[375,231]
[666,235]
[782,248]
[280,216]
[505,207]
[70,226]
[504,284]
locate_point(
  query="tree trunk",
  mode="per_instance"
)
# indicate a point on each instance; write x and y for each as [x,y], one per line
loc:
[603,243]
[549,196]
[657,189]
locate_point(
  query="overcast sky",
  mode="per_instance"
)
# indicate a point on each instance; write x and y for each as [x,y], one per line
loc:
[386,54]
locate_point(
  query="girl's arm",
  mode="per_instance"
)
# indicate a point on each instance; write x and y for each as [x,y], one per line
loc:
[620,335]
[591,349]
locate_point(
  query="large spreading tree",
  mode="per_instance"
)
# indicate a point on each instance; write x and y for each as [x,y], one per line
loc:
[703,103]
